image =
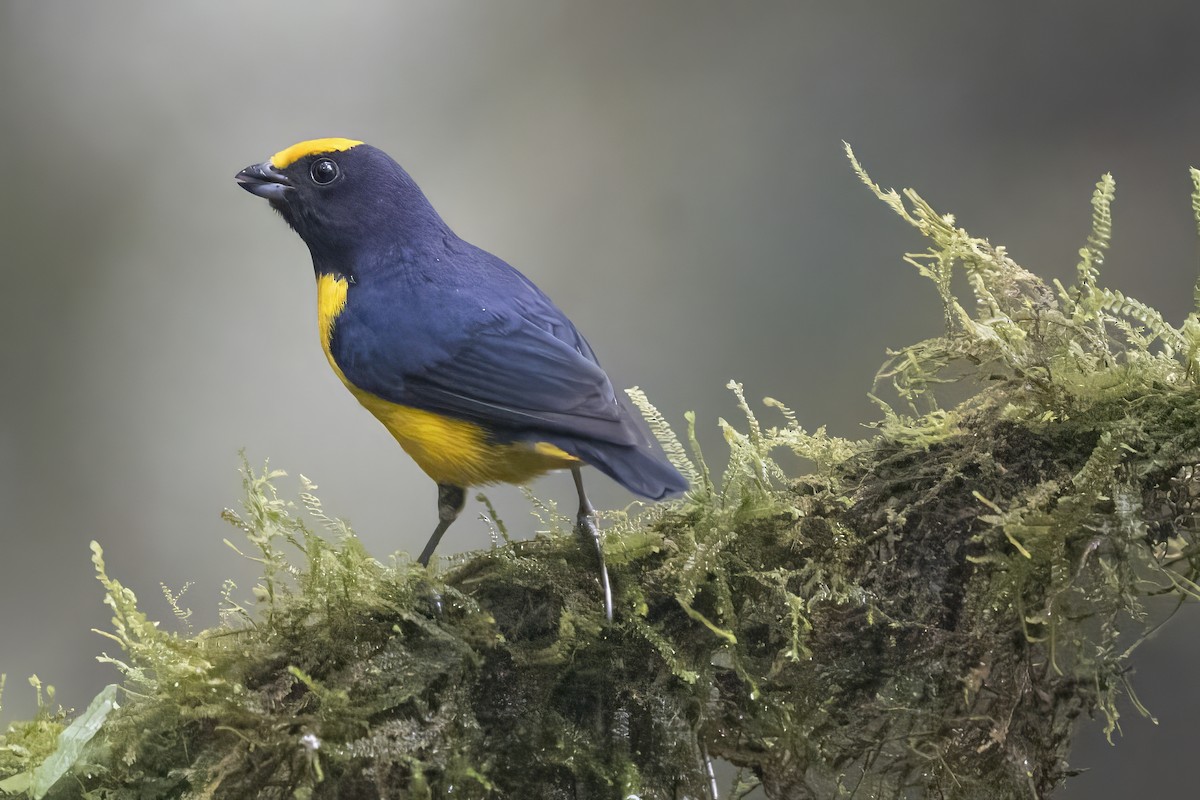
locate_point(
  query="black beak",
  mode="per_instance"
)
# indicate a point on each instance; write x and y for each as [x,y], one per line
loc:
[264,180]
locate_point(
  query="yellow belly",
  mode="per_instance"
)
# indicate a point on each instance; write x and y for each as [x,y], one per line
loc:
[459,453]
[448,450]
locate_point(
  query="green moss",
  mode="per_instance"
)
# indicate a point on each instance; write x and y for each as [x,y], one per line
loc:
[28,744]
[924,613]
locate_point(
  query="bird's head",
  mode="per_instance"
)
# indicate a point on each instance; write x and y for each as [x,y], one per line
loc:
[344,198]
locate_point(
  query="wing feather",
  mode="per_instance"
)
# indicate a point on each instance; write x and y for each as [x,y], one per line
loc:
[520,373]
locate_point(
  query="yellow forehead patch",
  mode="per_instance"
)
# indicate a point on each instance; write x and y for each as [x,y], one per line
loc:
[285,158]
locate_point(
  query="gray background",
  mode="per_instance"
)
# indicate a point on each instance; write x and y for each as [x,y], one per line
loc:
[671,173]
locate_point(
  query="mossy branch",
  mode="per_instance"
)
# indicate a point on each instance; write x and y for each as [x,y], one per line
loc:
[924,613]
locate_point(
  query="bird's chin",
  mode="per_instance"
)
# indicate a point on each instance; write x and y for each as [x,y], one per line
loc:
[281,206]
[297,222]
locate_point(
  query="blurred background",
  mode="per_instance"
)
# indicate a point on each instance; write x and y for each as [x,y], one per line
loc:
[670,173]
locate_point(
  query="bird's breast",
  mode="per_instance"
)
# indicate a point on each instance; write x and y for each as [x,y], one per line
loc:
[449,450]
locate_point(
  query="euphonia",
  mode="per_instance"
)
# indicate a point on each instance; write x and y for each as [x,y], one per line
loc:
[474,371]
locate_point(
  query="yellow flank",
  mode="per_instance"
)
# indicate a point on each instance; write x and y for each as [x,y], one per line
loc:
[285,158]
[448,450]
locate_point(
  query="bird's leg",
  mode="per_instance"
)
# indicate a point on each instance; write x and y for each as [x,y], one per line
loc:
[586,528]
[451,500]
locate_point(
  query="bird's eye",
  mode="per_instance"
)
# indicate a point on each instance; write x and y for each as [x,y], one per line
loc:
[323,171]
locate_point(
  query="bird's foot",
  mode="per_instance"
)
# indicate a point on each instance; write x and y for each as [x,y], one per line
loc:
[430,600]
[434,603]
[589,533]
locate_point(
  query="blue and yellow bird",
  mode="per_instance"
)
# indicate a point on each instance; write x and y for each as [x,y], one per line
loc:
[474,371]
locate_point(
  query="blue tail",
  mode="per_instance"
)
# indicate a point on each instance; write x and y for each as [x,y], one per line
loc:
[642,470]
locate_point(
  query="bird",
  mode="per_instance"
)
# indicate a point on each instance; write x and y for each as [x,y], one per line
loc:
[469,365]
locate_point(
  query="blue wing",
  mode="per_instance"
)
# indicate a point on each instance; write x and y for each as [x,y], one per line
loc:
[518,375]
[491,349]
